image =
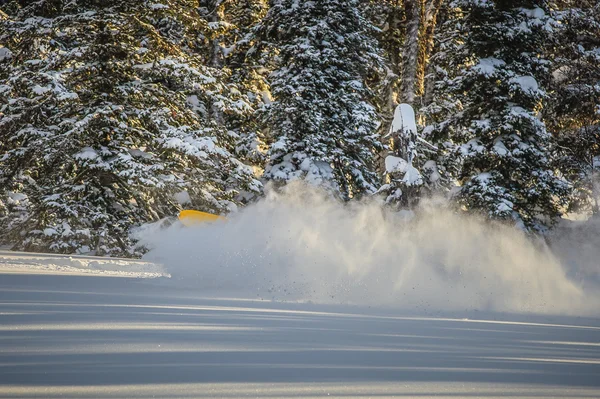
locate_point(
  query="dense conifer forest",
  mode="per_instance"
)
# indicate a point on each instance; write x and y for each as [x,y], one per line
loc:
[115,114]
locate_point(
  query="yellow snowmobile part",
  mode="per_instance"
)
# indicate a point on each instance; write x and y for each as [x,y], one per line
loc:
[192,218]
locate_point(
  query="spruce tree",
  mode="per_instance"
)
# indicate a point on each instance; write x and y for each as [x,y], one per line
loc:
[573,114]
[238,18]
[387,16]
[505,150]
[320,126]
[444,97]
[107,122]
[407,174]
[405,33]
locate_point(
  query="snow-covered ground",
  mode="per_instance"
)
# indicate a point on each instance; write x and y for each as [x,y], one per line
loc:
[19,262]
[86,335]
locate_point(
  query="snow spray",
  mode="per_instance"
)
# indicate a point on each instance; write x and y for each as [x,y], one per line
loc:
[298,244]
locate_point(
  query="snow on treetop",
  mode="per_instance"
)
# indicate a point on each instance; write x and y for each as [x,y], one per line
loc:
[404,120]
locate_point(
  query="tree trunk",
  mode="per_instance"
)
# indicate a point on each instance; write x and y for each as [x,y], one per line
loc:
[216,55]
[411,52]
[429,17]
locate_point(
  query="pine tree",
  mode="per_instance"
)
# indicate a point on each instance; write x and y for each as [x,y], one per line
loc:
[320,126]
[506,153]
[107,122]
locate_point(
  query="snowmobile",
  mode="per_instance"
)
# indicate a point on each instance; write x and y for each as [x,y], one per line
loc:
[189,217]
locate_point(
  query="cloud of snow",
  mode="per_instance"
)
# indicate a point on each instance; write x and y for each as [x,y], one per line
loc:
[301,245]
[577,244]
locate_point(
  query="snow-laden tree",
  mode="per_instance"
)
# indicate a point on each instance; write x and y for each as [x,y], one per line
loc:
[234,21]
[409,157]
[388,18]
[505,150]
[443,98]
[573,114]
[320,126]
[405,32]
[107,122]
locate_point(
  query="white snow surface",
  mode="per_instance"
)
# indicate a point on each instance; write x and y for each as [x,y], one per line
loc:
[35,263]
[302,245]
[65,336]
[298,296]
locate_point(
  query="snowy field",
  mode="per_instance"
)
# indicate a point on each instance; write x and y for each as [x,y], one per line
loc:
[69,330]
[26,263]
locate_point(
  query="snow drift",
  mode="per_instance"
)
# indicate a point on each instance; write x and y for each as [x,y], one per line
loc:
[300,245]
